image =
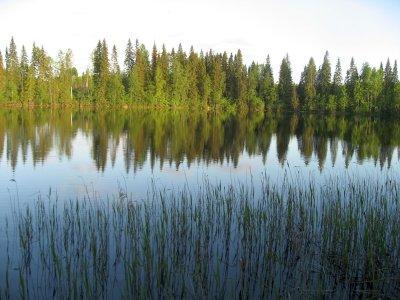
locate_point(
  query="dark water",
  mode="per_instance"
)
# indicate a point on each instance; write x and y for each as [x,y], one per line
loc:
[71,151]
[75,153]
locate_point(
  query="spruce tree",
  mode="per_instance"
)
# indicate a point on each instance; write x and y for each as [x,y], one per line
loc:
[239,83]
[307,86]
[323,82]
[253,86]
[285,85]
[161,80]
[338,90]
[203,82]
[267,85]
[140,75]
[12,73]
[2,78]
[115,91]
[101,71]
[217,80]
[351,79]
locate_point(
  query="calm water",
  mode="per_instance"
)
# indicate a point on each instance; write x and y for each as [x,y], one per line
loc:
[78,152]
[72,151]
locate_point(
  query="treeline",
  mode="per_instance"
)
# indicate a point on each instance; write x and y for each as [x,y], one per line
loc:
[204,80]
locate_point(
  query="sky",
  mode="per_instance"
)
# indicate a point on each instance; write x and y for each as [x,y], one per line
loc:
[369,30]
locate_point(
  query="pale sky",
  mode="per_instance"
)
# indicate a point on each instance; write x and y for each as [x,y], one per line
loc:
[366,29]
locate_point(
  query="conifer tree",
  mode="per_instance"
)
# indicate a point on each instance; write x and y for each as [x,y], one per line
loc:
[115,91]
[307,86]
[203,82]
[323,82]
[64,76]
[12,73]
[101,70]
[2,78]
[338,90]
[43,92]
[267,85]
[253,86]
[239,83]
[192,65]
[161,80]
[140,75]
[129,63]
[351,79]
[285,85]
[217,80]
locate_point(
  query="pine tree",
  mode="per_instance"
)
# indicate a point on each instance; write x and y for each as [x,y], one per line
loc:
[239,82]
[192,65]
[338,90]
[253,86]
[12,73]
[323,82]
[203,82]
[2,78]
[101,71]
[217,80]
[267,85]
[115,91]
[285,85]
[337,79]
[390,84]
[140,75]
[161,80]
[351,79]
[129,63]
[307,86]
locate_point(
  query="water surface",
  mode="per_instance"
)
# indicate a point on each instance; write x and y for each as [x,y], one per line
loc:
[72,151]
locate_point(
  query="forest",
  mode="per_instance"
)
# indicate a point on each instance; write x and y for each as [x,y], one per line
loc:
[195,80]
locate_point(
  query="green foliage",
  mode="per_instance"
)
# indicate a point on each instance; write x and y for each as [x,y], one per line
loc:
[285,85]
[307,86]
[267,89]
[210,80]
[2,78]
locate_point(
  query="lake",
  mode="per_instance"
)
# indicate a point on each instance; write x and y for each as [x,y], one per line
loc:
[197,204]
[72,151]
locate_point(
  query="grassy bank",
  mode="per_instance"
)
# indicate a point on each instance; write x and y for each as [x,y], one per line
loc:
[243,241]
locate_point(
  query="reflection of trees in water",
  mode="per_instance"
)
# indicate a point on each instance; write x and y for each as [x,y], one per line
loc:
[180,137]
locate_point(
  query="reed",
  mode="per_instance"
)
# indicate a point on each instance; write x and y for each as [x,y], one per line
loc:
[253,240]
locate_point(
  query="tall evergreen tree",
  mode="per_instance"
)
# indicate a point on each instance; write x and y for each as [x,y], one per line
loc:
[140,75]
[267,85]
[115,91]
[101,71]
[351,79]
[285,85]
[324,80]
[217,80]
[2,78]
[307,86]
[239,83]
[161,80]
[203,82]
[253,86]
[338,90]
[12,73]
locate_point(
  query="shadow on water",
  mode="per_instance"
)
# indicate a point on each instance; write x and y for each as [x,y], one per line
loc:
[174,137]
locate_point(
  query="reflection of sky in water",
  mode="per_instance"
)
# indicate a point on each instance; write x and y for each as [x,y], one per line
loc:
[75,176]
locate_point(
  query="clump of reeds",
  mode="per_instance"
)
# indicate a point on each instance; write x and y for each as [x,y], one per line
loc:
[340,239]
